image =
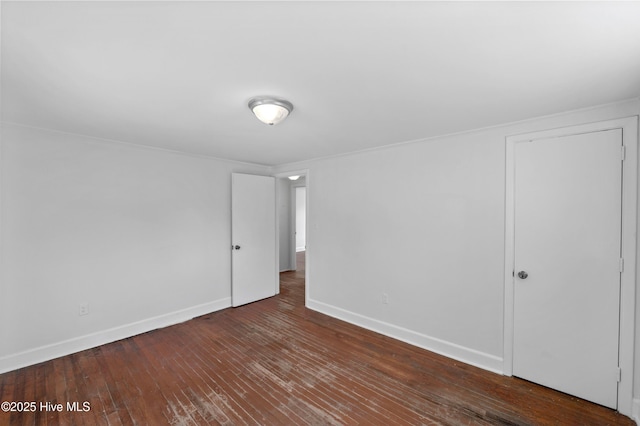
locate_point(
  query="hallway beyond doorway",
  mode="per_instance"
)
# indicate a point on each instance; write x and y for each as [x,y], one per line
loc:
[292,283]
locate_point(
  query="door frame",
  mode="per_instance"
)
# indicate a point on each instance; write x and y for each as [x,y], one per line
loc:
[629,126]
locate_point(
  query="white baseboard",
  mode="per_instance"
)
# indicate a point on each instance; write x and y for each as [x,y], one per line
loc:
[77,344]
[635,410]
[451,350]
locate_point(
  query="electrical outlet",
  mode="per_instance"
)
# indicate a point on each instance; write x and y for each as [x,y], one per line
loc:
[385,298]
[83,309]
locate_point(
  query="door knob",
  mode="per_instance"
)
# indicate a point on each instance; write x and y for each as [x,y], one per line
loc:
[236,247]
[523,275]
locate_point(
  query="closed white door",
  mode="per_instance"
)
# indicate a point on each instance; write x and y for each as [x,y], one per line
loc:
[253,233]
[567,263]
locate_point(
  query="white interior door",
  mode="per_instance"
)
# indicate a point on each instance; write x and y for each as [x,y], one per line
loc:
[567,242]
[253,232]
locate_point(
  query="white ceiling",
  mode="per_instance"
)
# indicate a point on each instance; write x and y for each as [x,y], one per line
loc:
[178,75]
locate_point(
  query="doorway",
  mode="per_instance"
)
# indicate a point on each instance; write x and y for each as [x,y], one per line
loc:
[293,241]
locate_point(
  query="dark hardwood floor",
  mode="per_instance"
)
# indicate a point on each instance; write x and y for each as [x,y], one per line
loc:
[274,362]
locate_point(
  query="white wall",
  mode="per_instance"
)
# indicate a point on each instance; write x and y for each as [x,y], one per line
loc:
[142,235]
[423,223]
[301,218]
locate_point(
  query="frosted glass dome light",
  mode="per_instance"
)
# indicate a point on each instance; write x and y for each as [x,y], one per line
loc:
[270,110]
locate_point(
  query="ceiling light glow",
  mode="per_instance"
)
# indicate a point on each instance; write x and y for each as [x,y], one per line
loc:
[270,110]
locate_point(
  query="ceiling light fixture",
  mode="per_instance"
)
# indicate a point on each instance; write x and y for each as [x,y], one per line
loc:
[270,110]
[294,177]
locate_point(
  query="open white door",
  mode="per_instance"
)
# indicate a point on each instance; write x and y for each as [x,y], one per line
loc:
[253,235]
[567,263]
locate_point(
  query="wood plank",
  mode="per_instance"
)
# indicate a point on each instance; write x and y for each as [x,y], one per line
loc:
[276,362]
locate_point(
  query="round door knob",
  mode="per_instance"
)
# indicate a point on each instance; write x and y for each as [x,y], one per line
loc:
[522,275]
[236,247]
